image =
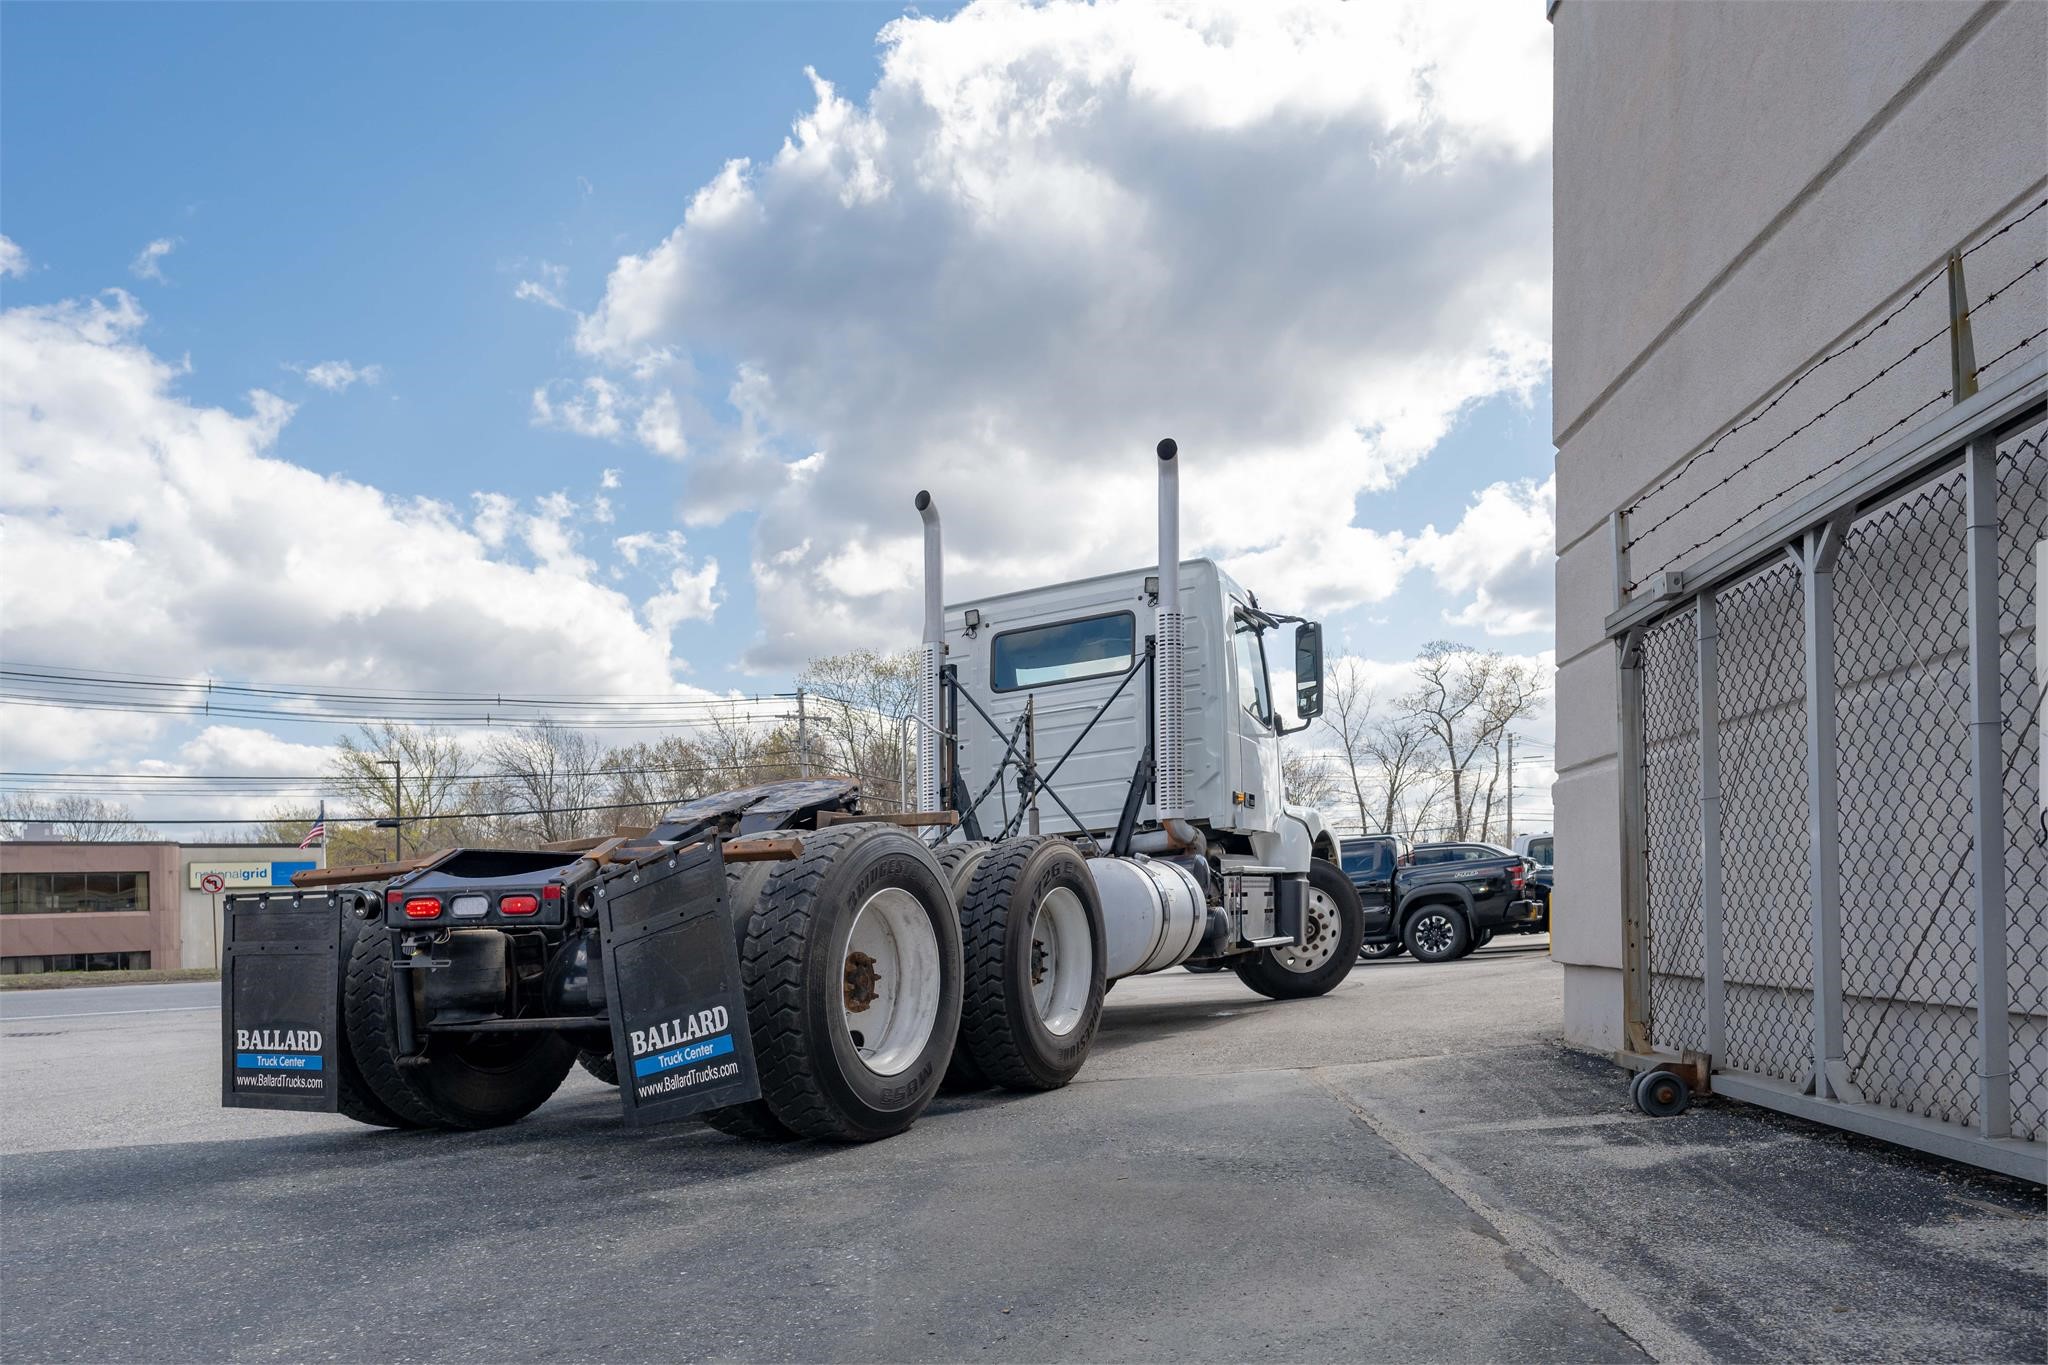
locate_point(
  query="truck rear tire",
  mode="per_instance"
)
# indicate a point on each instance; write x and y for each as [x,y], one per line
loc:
[958,861]
[481,1081]
[753,1119]
[1035,953]
[357,1099]
[1336,926]
[599,1064]
[1437,933]
[852,970]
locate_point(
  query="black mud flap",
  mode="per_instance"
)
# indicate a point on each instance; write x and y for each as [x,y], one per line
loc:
[672,972]
[279,998]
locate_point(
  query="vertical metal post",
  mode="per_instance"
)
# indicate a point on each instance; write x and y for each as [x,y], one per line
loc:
[1617,533]
[803,737]
[1818,550]
[1629,758]
[903,764]
[1962,351]
[1987,794]
[1713,960]
[1030,774]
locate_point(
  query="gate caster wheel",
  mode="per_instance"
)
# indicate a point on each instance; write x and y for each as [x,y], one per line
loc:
[1661,1094]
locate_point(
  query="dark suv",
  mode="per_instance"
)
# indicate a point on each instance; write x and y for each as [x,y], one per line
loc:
[1438,901]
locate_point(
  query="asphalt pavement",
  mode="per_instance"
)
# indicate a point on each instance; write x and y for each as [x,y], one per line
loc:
[82,1002]
[1411,1168]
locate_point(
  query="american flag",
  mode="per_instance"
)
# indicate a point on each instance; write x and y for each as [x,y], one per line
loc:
[317,834]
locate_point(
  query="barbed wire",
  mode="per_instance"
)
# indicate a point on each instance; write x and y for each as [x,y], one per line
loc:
[2043,204]
[2019,345]
[1636,537]
[1831,356]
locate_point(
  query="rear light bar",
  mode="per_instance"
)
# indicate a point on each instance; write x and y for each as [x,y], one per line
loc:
[518,905]
[423,907]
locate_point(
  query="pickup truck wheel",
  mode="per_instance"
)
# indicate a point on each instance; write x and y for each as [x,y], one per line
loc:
[1437,933]
[474,1081]
[1335,929]
[852,970]
[1035,954]
[1372,952]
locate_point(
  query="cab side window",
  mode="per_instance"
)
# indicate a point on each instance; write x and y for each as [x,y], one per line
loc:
[1251,672]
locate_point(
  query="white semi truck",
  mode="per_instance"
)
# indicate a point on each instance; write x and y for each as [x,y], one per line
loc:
[1099,796]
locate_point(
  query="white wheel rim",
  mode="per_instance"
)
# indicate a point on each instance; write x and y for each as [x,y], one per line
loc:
[1062,961]
[888,997]
[1324,929]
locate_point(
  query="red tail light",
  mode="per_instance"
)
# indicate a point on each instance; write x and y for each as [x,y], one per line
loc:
[551,892]
[423,907]
[517,905]
[1519,875]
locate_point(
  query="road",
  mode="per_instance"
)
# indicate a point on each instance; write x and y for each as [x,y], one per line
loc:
[82,1002]
[1410,1168]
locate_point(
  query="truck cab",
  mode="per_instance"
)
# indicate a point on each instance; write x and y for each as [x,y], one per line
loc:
[1066,654]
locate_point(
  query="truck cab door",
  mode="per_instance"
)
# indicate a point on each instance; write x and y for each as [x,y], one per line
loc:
[1259,786]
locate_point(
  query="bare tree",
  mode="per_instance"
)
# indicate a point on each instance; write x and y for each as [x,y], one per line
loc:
[856,710]
[435,798]
[1466,700]
[1398,748]
[1308,778]
[74,819]
[1349,704]
[554,772]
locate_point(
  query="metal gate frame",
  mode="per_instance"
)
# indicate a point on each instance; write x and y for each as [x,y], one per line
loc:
[1809,531]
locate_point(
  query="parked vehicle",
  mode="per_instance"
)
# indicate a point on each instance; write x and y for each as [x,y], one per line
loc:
[1535,847]
[1438,901]
[788,964]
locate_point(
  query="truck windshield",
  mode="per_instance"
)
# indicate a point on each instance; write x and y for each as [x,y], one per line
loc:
[1092,647]
[1251,672]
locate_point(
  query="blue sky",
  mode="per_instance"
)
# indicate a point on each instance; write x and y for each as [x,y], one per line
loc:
[373,184]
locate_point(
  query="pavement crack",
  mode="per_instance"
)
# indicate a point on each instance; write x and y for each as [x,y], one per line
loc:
[1622,1308]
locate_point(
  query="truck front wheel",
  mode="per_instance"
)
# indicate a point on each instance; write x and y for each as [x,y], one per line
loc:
[1335,928]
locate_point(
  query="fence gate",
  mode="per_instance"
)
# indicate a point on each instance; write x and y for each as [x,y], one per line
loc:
[1835,847]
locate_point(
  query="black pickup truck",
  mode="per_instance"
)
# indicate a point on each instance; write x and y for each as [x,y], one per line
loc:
[1439,901]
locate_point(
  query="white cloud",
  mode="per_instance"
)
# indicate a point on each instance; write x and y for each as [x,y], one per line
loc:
[122,501]
[609,479]
[692,595]
[1502,554]
[1299,237]
[147,263]
[336,376]
[13,260]
[547,288]
[591,409]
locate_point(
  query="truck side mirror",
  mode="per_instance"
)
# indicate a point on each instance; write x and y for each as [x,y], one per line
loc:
[1308,670]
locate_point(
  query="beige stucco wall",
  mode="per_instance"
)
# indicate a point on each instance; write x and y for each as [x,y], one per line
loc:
[1737,186]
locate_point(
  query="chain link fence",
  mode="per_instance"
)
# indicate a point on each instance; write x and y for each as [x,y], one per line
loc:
[1901,706]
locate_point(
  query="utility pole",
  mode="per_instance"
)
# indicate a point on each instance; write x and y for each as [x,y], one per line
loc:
[803,737]
[1511,789]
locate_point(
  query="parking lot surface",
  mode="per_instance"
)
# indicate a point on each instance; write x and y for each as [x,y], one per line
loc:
[1409,1168]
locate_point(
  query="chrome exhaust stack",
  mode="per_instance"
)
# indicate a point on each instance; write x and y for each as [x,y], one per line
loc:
[929,654]
[1168,704]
